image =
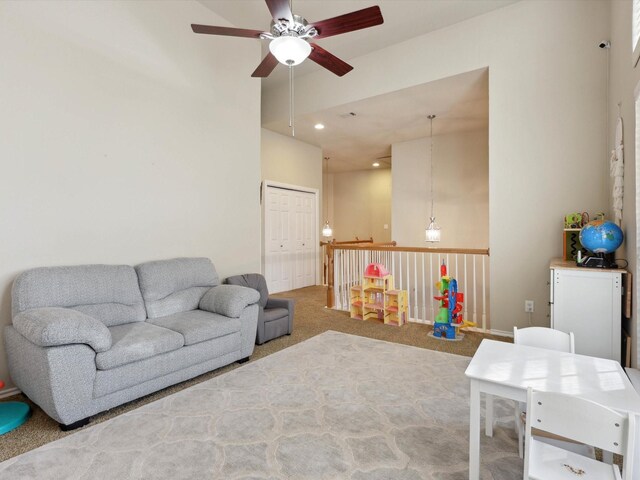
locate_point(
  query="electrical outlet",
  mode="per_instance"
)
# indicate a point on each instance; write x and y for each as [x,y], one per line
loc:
[528,306]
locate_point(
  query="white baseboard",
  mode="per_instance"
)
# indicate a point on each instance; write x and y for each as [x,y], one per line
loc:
[8,392]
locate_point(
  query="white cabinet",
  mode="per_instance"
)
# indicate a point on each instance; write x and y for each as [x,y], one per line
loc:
[588,302]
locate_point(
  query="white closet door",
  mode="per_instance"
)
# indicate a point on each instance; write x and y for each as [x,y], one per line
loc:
[309,239]
[304,232]
[278,261]
[290,239]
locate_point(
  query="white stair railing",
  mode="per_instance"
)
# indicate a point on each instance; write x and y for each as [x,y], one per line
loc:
[416,270]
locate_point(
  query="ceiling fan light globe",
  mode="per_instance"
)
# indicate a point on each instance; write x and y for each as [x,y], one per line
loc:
[289,50]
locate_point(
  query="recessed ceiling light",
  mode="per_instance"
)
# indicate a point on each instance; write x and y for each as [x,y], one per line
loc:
[375,164]
[318,126]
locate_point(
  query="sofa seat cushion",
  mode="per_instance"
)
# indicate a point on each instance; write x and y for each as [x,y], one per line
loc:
[275,313]
[132,342]
[198,326]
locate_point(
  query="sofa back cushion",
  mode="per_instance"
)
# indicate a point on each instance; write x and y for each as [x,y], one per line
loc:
[176,285]
[109,293]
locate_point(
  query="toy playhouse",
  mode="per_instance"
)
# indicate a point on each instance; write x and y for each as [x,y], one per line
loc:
[376,299]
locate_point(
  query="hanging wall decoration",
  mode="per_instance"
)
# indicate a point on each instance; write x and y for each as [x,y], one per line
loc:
[616,170]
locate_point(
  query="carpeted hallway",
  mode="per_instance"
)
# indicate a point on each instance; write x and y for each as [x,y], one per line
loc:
[311,319]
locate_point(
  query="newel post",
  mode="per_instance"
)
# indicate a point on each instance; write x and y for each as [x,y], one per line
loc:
[330,248]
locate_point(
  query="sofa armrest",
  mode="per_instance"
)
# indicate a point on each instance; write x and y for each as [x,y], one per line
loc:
[228,300]
[52,326]
[280,303]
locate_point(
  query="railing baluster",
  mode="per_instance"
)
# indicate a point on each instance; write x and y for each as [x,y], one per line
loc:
[475,301]
[416,312]
[424,289]
[466,292]
[431,287]
[408,289]
[341,282]
[484,298]
[337,254]
[456,277]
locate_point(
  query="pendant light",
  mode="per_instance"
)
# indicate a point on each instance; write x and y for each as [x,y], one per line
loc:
[327,231]
[432,233]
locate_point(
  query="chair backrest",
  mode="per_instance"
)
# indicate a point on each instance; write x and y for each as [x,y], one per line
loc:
[582,420]
[542,337]
[252,280]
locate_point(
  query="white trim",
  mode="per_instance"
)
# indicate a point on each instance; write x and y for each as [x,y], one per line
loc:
[635,26]
[9,392]
[287,186]
[636,285]
[316,233]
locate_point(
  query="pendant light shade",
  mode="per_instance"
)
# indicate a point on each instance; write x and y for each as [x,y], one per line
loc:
[327,231]
[290,50]
[432,233]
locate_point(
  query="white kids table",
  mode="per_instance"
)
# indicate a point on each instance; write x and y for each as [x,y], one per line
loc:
[507,370]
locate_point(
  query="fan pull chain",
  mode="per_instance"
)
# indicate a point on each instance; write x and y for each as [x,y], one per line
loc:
[291,98]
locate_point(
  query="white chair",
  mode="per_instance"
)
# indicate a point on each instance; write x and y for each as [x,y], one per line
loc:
[550,339]
[584,421]
[543,337]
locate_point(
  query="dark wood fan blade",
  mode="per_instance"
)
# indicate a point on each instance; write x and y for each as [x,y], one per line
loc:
[266,66]
[280,10]
[329,61]
[228,31]
[365,18]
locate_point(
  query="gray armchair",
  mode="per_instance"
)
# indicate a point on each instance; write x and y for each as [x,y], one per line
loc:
[275,317]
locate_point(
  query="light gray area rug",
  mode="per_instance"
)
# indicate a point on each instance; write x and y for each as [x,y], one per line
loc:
[335,406]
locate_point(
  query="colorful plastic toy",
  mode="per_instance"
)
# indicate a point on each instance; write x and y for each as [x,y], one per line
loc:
[12,414]
[449,319]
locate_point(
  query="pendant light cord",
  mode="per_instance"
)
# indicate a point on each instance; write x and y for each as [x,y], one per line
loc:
[431,161]
[291,98]
[326,178]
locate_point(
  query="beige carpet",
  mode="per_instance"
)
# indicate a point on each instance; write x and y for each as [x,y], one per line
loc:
[311,319]
[335,406]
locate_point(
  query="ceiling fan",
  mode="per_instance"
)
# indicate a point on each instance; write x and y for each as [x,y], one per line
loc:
[291,36]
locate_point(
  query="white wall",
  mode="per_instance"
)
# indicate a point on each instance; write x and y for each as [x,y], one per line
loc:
[547,83]
[125,138]
[460,189]
[362,205]
[623,81]
[288,160]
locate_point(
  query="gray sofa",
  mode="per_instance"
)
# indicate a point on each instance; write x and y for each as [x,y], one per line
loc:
[87,338]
